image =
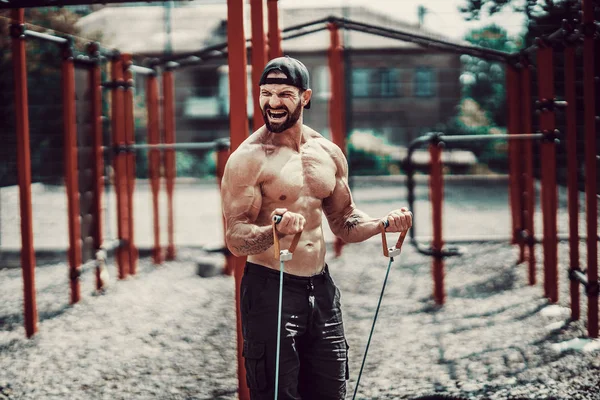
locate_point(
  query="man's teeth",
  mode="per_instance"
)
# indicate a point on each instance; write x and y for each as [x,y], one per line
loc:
[277,114]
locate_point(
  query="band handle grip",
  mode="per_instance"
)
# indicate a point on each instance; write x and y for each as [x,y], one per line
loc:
[276,247]
[393,251]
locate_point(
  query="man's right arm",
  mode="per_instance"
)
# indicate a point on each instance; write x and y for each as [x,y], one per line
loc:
[241,201]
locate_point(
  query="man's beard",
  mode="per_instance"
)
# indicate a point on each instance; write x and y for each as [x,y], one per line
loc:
[290,120]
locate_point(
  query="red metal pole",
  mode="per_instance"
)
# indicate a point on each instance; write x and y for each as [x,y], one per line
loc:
[259,57]
[436,193]
[130,158]
[591,166]
[71,175]
[120,164]
[514,157]
[169,158]
[222,156]
[275,49]
[154,160]
[527,154]
[573,195]
[238,122]
[337,118]
[98,189]
[24,170]
[548,170]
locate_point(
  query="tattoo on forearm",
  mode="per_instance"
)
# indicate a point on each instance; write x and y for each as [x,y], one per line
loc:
[352,221]
[256,245]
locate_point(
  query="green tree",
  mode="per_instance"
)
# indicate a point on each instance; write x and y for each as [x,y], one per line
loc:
[484,81]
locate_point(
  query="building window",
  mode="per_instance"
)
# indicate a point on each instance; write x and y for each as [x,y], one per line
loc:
[322,88]
[361,82]
[389,82]
[424,82]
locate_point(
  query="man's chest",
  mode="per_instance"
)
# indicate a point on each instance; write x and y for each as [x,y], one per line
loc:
[289,176]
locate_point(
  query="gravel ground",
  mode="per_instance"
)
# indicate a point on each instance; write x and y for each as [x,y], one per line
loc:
[168,333]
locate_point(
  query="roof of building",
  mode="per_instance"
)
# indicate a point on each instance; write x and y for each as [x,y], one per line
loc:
[142,30]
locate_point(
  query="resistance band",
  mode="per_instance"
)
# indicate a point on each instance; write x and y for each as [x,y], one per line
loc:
[390,253]
[282,256]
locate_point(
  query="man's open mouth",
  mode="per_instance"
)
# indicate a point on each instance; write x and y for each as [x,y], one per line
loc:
[277,115]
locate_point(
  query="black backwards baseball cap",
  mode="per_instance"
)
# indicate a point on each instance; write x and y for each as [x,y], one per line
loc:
[295,73]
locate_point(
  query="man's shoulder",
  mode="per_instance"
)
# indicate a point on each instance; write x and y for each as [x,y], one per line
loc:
[322,141]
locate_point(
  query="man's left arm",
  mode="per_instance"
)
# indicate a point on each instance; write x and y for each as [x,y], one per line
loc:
[347,221]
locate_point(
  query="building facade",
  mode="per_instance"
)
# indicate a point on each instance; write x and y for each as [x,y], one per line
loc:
[395,89]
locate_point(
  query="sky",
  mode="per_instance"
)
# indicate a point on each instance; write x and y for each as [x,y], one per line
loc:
[442,17]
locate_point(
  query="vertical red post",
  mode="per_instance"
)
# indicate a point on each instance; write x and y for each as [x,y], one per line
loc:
[154,160]
[514,157]
[120,163]
[71,175]
[275,49]
[130,158]
[169,158]
[548,158]
[96,112]
[24,169]
[527,154]
[591,165]
[259,57]
[573,195]
[222,156]
[436,193]
[337,116]
[238,123]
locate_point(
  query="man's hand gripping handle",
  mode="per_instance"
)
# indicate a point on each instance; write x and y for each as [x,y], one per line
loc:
[283,255]
[391,251]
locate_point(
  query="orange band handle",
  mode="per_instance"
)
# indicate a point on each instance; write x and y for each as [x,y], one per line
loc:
[398,246]
[276,246]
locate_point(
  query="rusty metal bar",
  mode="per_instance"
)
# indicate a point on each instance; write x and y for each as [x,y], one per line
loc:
[514,149]
[436,193]
[24,169]
[169,156]
[527,155]
[591,164]
[154,159]
[95,79]
[337,116]
[274,34]
[547,123]
[130,158]
[238,123]
[71,175]
[572,184]
[120,163]
[259,57]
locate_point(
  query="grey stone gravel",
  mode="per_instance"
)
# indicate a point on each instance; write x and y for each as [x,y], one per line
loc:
[168,333]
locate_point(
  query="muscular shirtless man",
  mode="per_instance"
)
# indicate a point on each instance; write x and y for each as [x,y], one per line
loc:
[288,169]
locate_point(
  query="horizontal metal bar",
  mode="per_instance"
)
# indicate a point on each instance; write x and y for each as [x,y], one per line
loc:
[214,145]
[84,61]
[425,41]
[111,244]
[308,24]
[60,3]
[463,138]
[44,36]
[579,276]
[178,146]
[142,70]
[303,33]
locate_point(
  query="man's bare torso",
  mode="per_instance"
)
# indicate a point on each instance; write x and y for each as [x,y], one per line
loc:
[298,181]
